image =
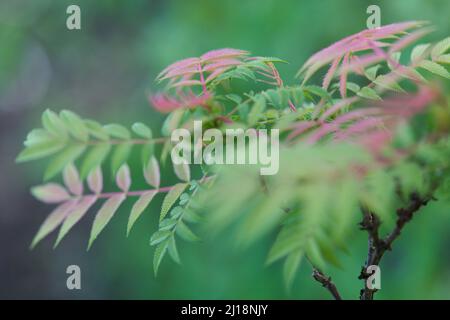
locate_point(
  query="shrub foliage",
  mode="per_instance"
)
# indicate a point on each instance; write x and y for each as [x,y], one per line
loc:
[369,138]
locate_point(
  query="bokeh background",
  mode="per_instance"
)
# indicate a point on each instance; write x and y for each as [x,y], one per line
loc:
[105,72]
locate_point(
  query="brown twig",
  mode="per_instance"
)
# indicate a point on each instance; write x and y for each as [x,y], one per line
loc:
[378,246]
[326,283]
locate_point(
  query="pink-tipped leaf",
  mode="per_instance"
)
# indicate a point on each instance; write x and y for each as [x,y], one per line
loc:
[152,173]
[50,193]
[104,215]
[139,207]
[53,220]
[75,215]
[223,53]
[72,179]
[123,178]
[95,180]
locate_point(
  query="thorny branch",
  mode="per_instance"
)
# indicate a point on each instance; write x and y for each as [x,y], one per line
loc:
[378,246]
[326,283]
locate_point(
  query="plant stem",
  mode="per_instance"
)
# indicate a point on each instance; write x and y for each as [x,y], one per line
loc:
[377,246]
[326,283]
[141,192]
[134,193]
[131,141]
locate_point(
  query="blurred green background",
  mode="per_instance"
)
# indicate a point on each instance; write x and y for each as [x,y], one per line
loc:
[105,71]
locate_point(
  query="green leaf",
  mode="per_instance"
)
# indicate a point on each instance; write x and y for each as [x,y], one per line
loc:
[284,97]
[53,124]
[256,110]
[271,114]
[104,215]
[368,93]
[430,155]
[119,156]
[69,154]
[314,255]
[378,198]
[147,152]
[242,72]
[404,136]
[170,199]
[139,207]
[411,178]
[435,68]
[440,48]
[371,73]
[184,232]
[245,73]
[159,236]
[297,95]
[274,97]
[37,136]
[40,150]
[418,51]
[243,110]
[291,266]
[271,59]
[75,125]
[96,130]
[345,207]
[445,58]
[167,224]
[172,121]
[387,83]
[327,250]
[411,73]
[302,227]
[353,87]
[285,243]
[167,147]
[265,216]
[117,131]
[176,212]
[396,57]
[142,130]
[184,199]
[182,171]
[173,251]
[159,255]
[191,216]
[234,97]
[318,91]
[94,158]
